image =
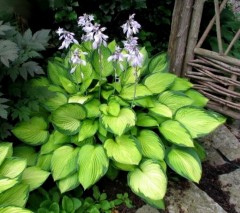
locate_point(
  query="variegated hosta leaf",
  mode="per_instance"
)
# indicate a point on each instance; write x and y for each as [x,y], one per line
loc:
[144,120]
[159,82]
[34,177]
[124,167]
[68,183]
[185,162]
[174,132]
[159,204]
[198,99]
[67,118]
[134,90]
[181,84]
[6,150]
[123,150]
[92,108]
[158,63]
[26,152]
[80,99]
[64,162]
[113,108]
[7,183]
[50,146]
[55,71]
[174,100]
[161,110]
[145,102]
[88,129]
[198,122]
[54,102]
[14,209]
[12,167]
[120,124]
[33,131]
[59,138]
[68,85]
[151,145]
[15,196]
[93,164]
[148,181]
[44,162]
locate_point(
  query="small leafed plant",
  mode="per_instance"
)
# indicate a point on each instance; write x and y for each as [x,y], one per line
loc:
[116,109]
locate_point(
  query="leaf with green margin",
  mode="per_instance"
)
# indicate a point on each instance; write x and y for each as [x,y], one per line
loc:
[113,108]
[128,76]
[159,204]
[26,152]
[34,177]
[181,84]
[54,102]
[93,164]
[92,108]
[199,149]
[120,124]
[59,138]
[12,167]
[197,121]
[185,162]
[100,62]
[55,70]
[68,85]
[139,90]
[15,196]
[123,167]
[161,109]
[198,99]
[145,102]
[64,166]
[123,150]
[175,133]
[158,82]
[7,183]
[80,99]
[151,145]
[174,100]
[50,146]
[68,183]
[88,129]
[145,120]
[14,209]
[67,118]
[148,180]
[6,150]
[158,63]
[112,45]
[33,131]
[44,162]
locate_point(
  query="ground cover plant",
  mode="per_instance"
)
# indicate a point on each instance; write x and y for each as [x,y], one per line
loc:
[112,108]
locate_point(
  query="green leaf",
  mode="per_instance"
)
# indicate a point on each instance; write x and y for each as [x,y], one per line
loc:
[50,146]
[124,167]
[13,209]
[88,129]
[174,132]
[67,118]
[161,110]
[159,204]
[123,150]
[185,162]
[144,120]
[67,204]
[148,180]
[198,99]
[54,102]
[139,90]
[7,183]
[15,196]
[181,84]
[12,167]
[68,183]
[44,162]
[159,82]
[63,167]
[120,124]
[198,122]
[93,164]
[26,152]
[100,62]
[33,132]
[6,150]
[151,145]
[9,52]
[199,149]
[80,99]
[92,108]
[158,63]
[68,85]
[174,100]
[34,177]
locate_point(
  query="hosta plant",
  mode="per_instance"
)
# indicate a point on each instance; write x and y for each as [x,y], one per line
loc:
[116,109]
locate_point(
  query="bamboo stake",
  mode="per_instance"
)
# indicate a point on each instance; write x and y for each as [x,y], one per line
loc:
[232,42]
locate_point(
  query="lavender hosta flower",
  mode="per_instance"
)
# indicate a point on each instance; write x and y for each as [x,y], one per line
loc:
[68,38]
[135,58]
[131,26]
[76,59]
[85,20]
[117,56]
[130,44]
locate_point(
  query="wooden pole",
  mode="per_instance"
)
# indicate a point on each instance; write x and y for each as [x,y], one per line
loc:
[218,27]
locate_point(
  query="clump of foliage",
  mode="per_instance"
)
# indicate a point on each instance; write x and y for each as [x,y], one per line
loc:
[116,109]
[18,54]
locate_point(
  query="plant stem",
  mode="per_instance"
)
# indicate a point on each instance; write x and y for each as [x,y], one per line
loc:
[100,72]
[135,86]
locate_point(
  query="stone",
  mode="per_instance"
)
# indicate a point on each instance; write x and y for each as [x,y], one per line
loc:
[190,200]
[231,183]
[147,209]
